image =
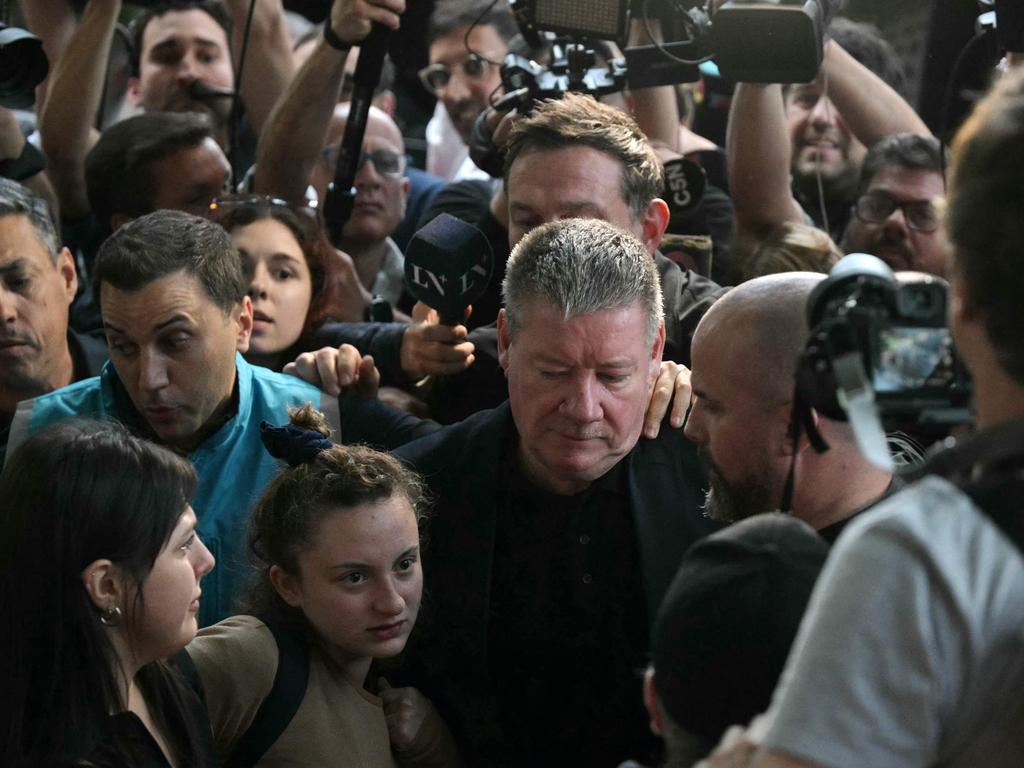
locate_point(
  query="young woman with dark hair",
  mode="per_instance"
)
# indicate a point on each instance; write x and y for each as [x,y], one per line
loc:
[283,253]
[100,568]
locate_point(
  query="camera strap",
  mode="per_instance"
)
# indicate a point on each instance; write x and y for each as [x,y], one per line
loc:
[857,397]
[988,466]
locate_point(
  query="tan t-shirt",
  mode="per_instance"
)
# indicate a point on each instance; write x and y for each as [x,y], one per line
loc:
[336,724]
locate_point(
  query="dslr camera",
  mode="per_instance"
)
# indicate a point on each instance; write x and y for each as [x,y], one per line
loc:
[878,338]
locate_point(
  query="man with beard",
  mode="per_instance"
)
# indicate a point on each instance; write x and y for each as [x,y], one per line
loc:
[795,153]
[744,361]
[824,143]
[181,62]
[896,215]
[467,41]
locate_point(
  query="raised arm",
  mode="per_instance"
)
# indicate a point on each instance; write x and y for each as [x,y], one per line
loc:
[295,132]
[758,149]
[654,109]
[268,63]
[870,107]
[73,98]
[53,22]
[12,144]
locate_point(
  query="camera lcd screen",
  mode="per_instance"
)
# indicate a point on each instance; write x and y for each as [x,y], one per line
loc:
[912,358]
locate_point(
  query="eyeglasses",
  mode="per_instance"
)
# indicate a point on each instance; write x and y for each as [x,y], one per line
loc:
[875,208]
[436,77]
[386,162]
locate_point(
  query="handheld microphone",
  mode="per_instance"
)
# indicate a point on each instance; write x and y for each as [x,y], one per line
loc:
[341,192]
[685,184]
[448,265]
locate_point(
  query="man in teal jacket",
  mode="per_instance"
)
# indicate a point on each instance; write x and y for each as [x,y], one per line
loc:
[175,311]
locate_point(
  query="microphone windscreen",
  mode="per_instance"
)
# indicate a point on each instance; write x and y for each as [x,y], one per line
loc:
[448,265]
[685,184]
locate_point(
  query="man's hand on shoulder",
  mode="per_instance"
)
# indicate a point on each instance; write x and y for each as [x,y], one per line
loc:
[336,370]
[671,388]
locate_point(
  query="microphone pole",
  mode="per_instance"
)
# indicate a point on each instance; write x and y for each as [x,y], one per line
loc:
[341,192]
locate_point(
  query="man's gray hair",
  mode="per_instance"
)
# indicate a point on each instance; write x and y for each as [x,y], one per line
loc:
[582,266]
[16,199]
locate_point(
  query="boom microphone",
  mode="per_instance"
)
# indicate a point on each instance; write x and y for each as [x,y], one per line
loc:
[448,265]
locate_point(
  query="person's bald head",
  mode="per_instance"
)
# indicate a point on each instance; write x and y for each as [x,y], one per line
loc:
[762,323]
[744,356]
[381,186]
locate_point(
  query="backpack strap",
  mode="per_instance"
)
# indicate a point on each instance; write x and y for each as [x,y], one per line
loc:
[283,701]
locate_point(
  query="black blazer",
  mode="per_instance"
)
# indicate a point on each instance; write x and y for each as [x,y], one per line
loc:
[447,658]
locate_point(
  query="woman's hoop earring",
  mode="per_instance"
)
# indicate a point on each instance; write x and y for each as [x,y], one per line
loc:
[110,617]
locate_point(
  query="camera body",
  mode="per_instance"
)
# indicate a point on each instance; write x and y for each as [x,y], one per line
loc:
[572,68]
[898,330]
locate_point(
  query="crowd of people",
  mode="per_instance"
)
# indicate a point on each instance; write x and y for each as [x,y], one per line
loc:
[261,507]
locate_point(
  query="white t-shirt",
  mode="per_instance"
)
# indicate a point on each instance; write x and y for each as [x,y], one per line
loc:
[447,156]
[912,649]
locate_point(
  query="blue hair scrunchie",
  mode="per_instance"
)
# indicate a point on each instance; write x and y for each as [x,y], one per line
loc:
[293,444]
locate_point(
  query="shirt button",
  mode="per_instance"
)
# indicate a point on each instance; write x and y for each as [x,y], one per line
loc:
[587,578]
[584,539]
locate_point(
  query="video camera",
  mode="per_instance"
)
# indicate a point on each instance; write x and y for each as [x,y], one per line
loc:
[880,350]
[769,42]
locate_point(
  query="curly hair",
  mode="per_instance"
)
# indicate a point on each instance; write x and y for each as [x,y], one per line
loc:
[293,506]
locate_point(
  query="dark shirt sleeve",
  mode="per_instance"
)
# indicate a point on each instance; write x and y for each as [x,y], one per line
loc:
[373,423]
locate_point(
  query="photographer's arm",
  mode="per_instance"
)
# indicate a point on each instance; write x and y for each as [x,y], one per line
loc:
[73,98]
[870,108]
[654,109]
[268,63]
[295,132]
[53,22]
[758,153]
[12,144]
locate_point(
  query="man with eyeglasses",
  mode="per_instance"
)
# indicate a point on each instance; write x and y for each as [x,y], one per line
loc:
[896,213]
[381,191]
[467,42]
